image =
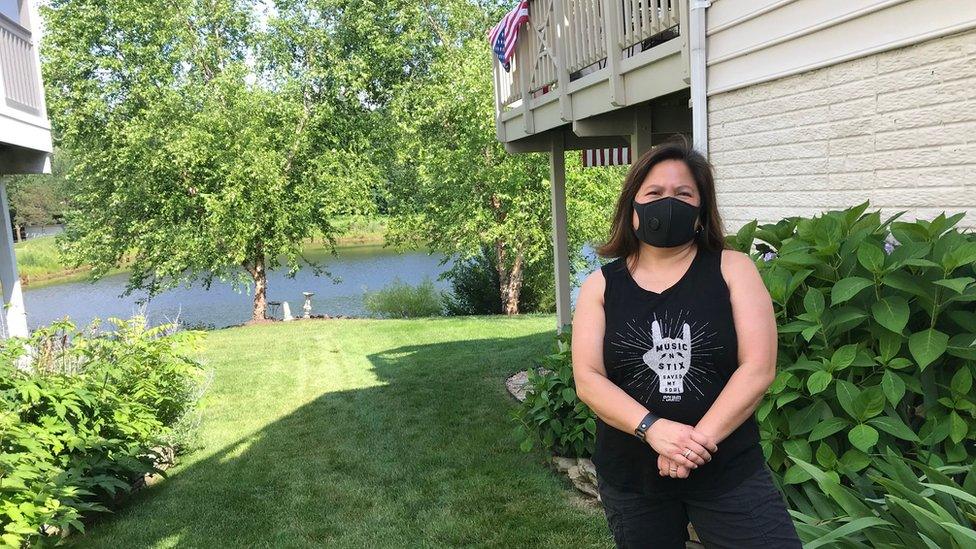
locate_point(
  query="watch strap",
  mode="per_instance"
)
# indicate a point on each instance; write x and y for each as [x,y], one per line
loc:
[645,424]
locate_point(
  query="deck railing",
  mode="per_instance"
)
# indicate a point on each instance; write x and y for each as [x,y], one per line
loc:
[21,86]
[573,37]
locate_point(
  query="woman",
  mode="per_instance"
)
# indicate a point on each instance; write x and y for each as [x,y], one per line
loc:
[674,345]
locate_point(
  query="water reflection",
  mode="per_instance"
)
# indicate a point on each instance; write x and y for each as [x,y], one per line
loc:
[358,269]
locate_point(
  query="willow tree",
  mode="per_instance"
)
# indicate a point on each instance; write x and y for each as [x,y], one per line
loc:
[206,145]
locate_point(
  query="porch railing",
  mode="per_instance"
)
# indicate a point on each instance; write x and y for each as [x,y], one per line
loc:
[21,86]
[573,35]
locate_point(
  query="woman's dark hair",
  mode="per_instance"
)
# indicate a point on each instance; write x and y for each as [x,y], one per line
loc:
[623,242]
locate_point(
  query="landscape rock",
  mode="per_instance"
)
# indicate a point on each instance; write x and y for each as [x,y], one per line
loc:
[581,472]
[563,464]
[166,458]
[518,383]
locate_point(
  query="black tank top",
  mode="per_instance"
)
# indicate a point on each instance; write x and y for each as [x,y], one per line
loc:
[673,352]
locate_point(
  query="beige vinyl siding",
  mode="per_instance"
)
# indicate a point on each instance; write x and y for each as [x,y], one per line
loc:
[752,41]
[897,128]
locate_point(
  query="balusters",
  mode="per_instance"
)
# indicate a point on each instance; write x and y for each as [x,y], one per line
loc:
[17,63]
[565,36]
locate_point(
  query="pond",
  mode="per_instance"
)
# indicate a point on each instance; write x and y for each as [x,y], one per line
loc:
[358,268]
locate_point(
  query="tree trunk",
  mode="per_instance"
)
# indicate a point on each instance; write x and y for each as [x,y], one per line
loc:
[514,286]
[509,280]
[260,277]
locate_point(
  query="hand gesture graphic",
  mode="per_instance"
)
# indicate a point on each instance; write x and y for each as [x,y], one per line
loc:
[670,358]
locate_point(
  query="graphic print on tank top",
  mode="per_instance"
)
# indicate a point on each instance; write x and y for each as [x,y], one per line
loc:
[667,356]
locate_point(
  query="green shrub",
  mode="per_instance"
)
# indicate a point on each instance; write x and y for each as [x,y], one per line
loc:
[896,508]
[476,288]
[80,417]
[877,343]
[38,256]
[551,413]
[401,300]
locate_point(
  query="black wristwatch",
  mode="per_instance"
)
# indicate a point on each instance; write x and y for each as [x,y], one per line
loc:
[645,424]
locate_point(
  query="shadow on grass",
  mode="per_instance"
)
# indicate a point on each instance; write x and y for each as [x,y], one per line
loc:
[428,459]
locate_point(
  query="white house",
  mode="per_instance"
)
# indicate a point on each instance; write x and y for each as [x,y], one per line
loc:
[801,105]
[25,135]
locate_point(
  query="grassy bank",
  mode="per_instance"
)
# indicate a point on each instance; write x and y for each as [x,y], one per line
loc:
[361,433]
[38,260]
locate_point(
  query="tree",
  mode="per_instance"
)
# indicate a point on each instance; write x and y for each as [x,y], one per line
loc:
[202,150]
[466,191]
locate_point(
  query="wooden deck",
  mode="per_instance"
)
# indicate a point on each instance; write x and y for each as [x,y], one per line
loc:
[577,59]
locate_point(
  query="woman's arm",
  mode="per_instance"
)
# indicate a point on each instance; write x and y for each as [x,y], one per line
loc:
[611,403]
[755,326]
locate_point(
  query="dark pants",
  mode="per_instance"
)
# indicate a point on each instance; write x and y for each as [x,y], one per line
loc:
[753,514]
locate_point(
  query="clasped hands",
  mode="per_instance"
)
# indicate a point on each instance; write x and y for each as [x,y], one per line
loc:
[680,447]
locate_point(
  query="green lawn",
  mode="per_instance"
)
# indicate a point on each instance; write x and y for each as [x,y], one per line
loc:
[362,433]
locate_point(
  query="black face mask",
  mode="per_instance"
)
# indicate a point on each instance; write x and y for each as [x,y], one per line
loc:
[666,222]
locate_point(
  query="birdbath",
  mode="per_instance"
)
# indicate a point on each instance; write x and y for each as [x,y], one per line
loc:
[308,304]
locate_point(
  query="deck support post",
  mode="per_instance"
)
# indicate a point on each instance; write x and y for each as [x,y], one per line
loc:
[15,316]
[557,180]
[640,139]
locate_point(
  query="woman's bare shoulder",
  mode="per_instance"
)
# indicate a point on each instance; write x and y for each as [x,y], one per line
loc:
[593,286]
[735,259]
[738,268]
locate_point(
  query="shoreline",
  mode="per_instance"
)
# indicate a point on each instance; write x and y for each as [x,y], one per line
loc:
[50,278]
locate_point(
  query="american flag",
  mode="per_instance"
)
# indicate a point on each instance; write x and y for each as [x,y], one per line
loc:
[502,36]
[614,156]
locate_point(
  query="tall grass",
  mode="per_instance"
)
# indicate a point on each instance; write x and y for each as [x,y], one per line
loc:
[38,257]
[401,300]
